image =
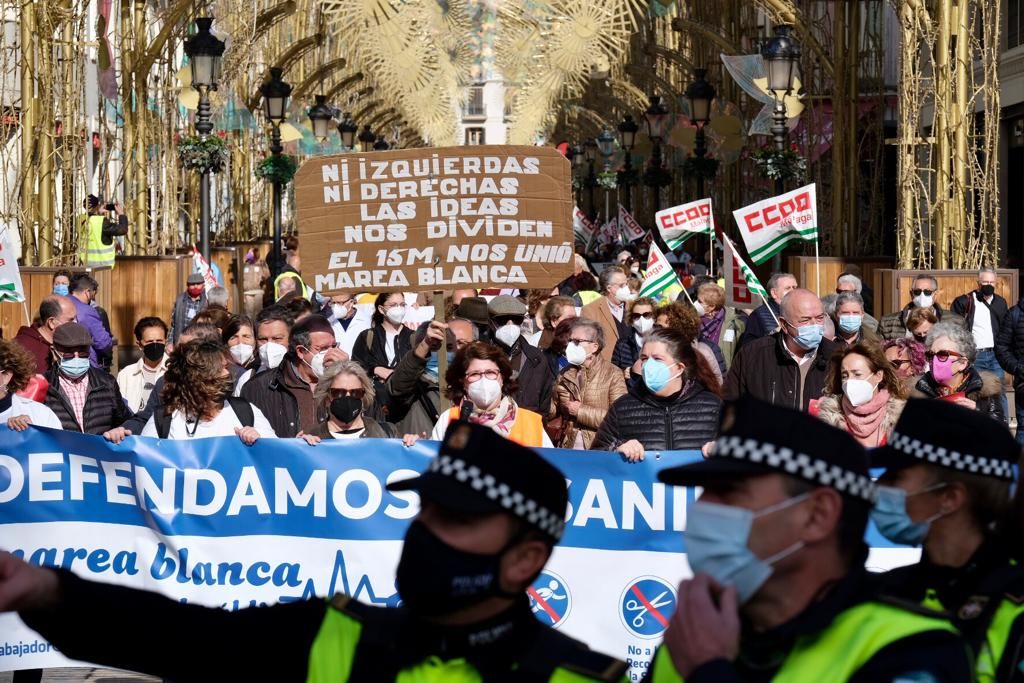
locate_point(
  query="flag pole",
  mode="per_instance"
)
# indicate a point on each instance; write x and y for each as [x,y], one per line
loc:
[770,310]
[817,267]
[711,251]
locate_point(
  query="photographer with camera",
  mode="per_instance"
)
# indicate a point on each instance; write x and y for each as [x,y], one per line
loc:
[96,242]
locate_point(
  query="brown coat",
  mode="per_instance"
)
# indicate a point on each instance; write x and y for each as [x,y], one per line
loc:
[598,311]
[597,387]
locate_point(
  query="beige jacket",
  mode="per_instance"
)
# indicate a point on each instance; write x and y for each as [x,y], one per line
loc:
[596,387]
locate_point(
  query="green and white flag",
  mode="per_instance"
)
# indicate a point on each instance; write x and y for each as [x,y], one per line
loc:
[10,276]
[741,284]
[682,222]
[769,225]
[661,283]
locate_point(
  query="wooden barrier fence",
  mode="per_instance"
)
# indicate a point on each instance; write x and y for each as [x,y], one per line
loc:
[892,287]
[38,284]
[805,270]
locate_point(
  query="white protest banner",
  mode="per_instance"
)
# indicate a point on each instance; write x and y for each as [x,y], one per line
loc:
[199,265]
[610,232]
[11,288]
[436,218]
[630,228]
[769,225]
[679,223]
[582,226]
[661,283]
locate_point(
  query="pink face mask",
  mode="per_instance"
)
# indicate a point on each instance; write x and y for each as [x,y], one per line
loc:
[942,371]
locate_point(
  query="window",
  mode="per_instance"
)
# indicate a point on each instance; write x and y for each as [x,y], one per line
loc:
[474,136]
[474,106]
[1014,21]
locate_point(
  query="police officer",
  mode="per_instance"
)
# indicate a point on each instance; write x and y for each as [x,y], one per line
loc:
[491,512]
[96,248]
[947,487]
[776,542]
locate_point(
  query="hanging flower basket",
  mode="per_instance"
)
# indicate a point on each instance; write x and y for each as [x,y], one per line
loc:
[779,165]
[277,168]
[578,183]
[608,180]
[655,176]
[628,178]
[209,155]
[699,167]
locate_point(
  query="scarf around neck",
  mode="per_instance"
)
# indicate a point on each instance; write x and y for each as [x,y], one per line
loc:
[864,421]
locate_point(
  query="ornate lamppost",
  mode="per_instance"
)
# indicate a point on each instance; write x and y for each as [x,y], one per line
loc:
[658,119]
[275,93]
[627,138]
[781,55]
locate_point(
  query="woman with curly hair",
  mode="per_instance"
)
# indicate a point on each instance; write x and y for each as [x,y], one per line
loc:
[197,399]
[863,395]
[480,387]
[17,367]
[684,319]
[674,407]
[907,357]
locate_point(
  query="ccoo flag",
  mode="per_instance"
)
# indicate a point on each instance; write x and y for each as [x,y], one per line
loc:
[630,228]
[582,226]
[769,225]
[10,276]
[682,222]
[741,284]
[661,282]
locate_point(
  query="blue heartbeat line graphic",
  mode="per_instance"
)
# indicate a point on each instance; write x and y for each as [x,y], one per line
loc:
[340,571]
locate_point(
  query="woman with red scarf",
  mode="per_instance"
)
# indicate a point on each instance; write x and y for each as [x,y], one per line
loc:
[863,395]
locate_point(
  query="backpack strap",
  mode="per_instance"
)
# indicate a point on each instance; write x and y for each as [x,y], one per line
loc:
[243,410]
[162,421]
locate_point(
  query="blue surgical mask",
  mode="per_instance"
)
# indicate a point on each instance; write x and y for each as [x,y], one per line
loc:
[432,362]
[74,367]
[657,375]
[849,324]
[890,516]
[61,290]
[809,337]
[717,545]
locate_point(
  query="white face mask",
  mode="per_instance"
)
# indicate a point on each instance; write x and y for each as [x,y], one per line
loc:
[340,312]
[643,325]
[700,309]
[508,334]
[924,301]
[396,314]
[575,354]
[272,353]
[624,294]
[317,364]
[858,391]
[242,353]
[484,392]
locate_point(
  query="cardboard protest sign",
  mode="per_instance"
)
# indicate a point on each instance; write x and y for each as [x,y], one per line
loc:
[769,225]
[436,218]
[679,223]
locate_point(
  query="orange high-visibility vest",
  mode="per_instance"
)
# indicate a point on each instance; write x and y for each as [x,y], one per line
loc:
[527,430]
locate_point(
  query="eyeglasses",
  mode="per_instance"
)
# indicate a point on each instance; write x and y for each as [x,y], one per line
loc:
[943,356]
[68,355]
[477,375]
[926,292]
[354,393]
[845,291]
[582,341]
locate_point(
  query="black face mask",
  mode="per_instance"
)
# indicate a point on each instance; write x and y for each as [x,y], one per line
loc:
[153,352]
[921,338]
[435,579]
[346,409]
[987,290]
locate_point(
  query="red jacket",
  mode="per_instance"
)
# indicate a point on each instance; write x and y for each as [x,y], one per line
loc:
[30,340]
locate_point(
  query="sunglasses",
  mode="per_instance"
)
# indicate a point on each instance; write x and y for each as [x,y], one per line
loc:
[943,356]
[637,316]
[354,393]
[926,292]
[899,363]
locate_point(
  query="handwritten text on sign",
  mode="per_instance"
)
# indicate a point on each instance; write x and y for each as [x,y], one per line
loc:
[430,219]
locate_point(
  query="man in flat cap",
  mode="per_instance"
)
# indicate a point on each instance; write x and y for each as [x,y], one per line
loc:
[530,368]
[948,487]
[776,543]
[186,306]
[491,512]
[83,398]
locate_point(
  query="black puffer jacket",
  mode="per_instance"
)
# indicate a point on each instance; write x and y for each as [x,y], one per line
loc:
[765,370]
[104,406]
[1010,345]
[984,388]
[685,421]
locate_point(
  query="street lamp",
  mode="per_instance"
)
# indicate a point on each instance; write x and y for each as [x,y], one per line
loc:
[275,93]
[321,115]
[701,94]
[381,145]
[781,55]
[204,52]
[366,139]
[590,150]
[627,138]
[658,120]
[606,144]
[348,129]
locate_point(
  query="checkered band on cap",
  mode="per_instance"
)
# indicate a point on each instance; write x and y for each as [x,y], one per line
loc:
[796,464]
[965,462]
[515,502]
